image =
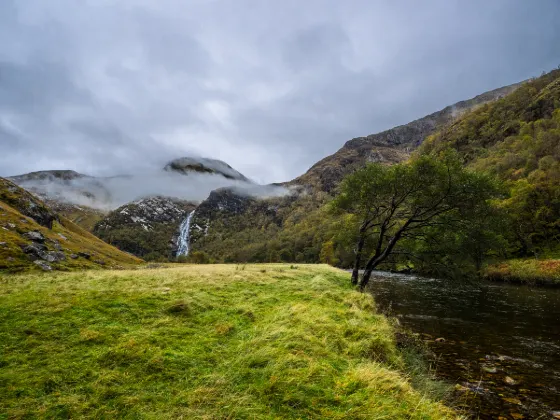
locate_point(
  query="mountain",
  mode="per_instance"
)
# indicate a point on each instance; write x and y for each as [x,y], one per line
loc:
[189,165]
[230,227]
[86,200]
[390,146]
[147,227]
[517,139]
[34,236]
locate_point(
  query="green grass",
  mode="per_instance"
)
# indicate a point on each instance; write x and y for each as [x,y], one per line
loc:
[529,271]
[204,342]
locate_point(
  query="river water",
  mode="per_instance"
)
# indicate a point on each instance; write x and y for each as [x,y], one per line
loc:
[500,341]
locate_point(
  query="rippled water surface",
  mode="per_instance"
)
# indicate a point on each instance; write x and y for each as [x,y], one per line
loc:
[502,342]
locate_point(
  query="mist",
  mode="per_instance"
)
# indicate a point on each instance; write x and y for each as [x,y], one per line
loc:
[112,192]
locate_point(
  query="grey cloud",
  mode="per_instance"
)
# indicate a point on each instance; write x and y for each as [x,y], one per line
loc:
[268,87]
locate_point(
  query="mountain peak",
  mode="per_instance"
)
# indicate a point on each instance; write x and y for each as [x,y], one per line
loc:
[188,165]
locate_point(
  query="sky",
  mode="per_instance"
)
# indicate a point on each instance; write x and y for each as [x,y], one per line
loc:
[108,87]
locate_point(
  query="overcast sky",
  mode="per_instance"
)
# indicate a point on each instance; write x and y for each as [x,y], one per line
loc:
[116,86]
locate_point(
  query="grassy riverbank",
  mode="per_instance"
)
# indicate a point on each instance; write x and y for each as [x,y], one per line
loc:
[224,341]
[526,271]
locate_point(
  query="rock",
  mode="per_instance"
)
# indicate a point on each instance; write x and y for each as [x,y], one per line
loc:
[440,340]
[11,225]
[85,255]
[56,245]
[43,265]
[73,256]
[461,388]
[512,401]
[53,256]
[34,236]
[38,251]
[556,414]
[3,244]
[510,381]
[34,250]
[62,236]
[100,262]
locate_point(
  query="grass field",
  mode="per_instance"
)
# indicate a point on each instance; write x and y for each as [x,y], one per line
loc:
[200,342]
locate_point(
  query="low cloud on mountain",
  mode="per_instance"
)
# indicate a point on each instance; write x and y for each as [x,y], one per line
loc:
[112,192]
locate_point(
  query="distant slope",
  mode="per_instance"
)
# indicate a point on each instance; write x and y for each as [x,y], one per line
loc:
[390,146]
[32,236]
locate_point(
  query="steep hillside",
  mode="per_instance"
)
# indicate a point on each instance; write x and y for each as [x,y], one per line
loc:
[32,236]
[233,228]
[390,146]
[518,140]
[147,228]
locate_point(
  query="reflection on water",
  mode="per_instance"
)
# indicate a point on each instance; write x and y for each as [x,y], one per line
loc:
[500,341]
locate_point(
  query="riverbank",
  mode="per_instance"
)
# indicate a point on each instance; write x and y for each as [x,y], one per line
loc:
[221,341]
[525,271]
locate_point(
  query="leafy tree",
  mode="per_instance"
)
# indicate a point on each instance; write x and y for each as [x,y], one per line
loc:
[403,201]
[327,253]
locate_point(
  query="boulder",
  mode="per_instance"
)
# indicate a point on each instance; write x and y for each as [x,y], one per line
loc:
[43,265]
[34,236]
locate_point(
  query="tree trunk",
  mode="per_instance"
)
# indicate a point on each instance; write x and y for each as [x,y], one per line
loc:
[367,273]
[358,259]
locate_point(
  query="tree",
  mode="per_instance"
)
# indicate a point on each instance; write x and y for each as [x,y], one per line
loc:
[327,253]
[401,201]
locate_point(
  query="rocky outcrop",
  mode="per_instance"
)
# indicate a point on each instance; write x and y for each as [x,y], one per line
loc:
[26,203]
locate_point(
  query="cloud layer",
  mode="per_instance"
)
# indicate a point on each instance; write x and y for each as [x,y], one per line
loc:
[270,87]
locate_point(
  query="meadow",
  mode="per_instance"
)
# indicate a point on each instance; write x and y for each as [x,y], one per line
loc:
[206,342]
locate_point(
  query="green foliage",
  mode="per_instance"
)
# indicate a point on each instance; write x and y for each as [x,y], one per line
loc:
[327,253]
[204,342]
[517,139]
[416,204]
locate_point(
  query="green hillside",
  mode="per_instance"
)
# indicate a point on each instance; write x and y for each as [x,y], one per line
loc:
[517,139]
[32,236]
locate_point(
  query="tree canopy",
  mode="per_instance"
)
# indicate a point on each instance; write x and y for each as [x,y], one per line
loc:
[406,201]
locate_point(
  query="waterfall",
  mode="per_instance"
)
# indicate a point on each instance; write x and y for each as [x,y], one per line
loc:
[183,241]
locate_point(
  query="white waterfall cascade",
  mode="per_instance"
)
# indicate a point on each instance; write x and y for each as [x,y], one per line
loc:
[183,244]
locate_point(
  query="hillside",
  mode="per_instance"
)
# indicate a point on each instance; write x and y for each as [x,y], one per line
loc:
[232,228]
[33,236]
[390,146]
[518,140]
[259,342]
[147,228]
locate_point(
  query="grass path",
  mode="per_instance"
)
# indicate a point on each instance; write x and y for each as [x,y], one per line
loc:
[200,342]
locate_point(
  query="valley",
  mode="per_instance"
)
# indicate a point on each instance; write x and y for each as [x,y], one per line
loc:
[498,151]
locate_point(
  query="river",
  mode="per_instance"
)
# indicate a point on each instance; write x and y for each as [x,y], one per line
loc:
[500,341]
